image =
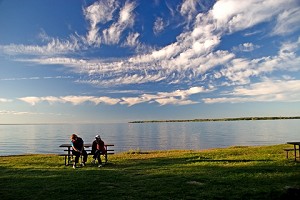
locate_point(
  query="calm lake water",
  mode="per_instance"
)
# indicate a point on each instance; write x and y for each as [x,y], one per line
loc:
[25,139]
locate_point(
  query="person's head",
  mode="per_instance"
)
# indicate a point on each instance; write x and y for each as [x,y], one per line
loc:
[74,137]
[97,137]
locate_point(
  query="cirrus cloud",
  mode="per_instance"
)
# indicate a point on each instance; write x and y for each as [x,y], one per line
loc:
[192,58]
[266,91]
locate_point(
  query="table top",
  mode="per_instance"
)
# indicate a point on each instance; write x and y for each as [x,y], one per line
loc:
[85,145]
[294,143]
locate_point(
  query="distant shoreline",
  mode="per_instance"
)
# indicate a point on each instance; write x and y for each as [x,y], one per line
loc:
[217,119]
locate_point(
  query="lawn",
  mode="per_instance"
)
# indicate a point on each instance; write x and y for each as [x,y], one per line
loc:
[258,172]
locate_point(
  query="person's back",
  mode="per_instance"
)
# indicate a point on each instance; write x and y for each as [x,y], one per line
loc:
[78,143]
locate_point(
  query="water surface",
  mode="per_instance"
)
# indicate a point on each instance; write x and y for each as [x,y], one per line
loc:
[25,139]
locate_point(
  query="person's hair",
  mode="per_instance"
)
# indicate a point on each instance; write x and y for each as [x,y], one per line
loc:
[73,136]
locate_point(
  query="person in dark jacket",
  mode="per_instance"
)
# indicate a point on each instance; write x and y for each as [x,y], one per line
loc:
[78,149]
[98,149]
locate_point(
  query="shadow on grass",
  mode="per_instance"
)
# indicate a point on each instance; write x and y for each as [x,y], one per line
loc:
[154,178]
[164,162]
[231,161]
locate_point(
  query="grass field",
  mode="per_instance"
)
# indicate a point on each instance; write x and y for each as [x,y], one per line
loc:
[260,172]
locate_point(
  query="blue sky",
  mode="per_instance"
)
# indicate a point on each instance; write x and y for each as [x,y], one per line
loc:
[69,61]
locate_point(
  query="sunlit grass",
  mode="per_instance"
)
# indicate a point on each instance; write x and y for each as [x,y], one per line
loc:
[230,173]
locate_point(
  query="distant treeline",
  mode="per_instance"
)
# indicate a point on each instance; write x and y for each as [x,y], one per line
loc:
[220,119]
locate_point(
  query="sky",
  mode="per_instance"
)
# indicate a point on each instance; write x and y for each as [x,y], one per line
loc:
[107,61]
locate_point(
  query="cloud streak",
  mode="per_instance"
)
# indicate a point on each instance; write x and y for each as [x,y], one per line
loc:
[10,112]
[265,91]
[36,78]
[4,100]
[178,97]
[54,47]
[239,71]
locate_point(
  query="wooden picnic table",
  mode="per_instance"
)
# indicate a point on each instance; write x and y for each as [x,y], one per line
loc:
[68,148]
[295,148]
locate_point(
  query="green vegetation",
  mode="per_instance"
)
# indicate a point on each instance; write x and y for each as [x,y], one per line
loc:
[220,119]
[232,173]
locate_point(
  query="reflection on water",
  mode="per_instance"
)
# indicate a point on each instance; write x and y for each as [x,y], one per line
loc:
[23,139]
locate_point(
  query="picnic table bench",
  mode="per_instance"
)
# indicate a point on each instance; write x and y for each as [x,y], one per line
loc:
[68,156]
[295,149]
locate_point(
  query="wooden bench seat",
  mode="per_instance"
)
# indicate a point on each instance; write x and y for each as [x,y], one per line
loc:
[68,157]
[108,152]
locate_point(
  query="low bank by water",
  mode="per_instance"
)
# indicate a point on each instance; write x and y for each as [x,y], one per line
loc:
[218,119]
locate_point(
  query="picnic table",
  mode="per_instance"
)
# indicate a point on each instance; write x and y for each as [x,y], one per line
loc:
[68,151]
[295,149]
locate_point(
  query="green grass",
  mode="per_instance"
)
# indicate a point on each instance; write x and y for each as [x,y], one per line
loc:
[231,173]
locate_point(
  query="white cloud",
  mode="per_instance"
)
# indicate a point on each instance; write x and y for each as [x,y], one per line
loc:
[130,101]
[36,78]
[287,21]
[158,25]
[7,112]
[44,36]
[107,100]
[12,112]
[269,87]
[246,47]
[98,13]
[239,71]
[182,93]
[266,91]
[113,34]
[31,100]
[54,47]
[126,14]
[235,15]
[174,101]
[3,100]
[75,100]
[188,9]
[132,40]
[179,97]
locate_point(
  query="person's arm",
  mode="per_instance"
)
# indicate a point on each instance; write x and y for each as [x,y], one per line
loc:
[94,147]
[82,145]
[74,148]
[82,148]
[103,147]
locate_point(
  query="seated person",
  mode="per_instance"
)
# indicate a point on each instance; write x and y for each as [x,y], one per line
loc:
[78,149]
[98,149]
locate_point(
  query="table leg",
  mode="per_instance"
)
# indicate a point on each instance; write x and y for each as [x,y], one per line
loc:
[299,150]
[105,154]
[69,155]
[295,152]
[65,160]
